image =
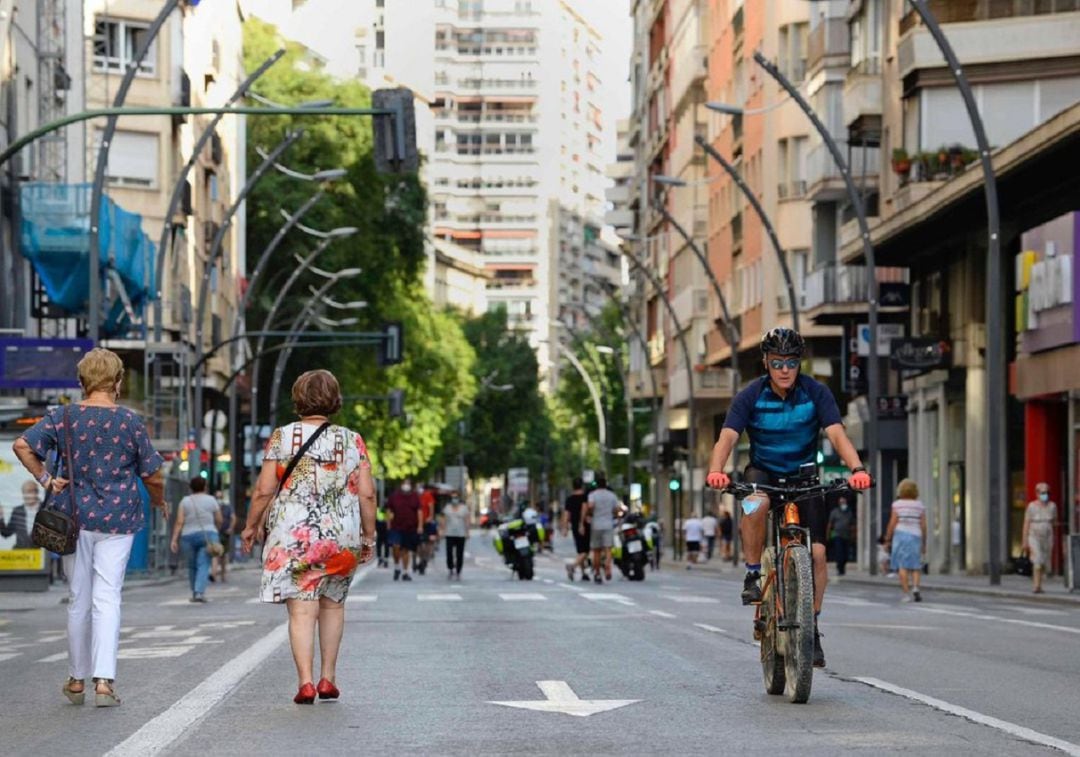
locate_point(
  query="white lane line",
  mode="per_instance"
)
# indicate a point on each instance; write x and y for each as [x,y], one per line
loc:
[999,619]
[691,599]
[662,614]
[883,626]
[711,629]
[1012,729]
[1030,610]
[609,597]
[361,598]
[523,597]
[159,733]
[854,602]
[441,597]
[54,657]
[548,581]
[10,655]
[52,637]
[571,587]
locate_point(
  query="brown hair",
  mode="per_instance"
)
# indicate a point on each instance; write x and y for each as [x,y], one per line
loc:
[907,489]
[316,393]
[100,370]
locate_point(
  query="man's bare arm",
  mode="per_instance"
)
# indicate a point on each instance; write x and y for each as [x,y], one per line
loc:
[721,451]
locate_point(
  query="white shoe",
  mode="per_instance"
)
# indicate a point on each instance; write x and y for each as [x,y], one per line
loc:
[905,599]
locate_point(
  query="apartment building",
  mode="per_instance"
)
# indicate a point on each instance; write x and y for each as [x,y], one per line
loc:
[1020,58]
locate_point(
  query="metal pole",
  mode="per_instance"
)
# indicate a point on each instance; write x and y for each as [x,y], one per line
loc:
[598,405]
[872,362]
[178,187]
[996,396]
[577,337]
[148,37]
[204,286]
[256,364]
[238,320]
[733,337]
[781,258]
[691,436]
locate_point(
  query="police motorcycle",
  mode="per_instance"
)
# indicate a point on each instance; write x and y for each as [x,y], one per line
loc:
[631,547]
[517,541]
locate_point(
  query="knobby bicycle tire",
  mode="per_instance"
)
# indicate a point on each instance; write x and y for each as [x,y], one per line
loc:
[772,662]
[798,579]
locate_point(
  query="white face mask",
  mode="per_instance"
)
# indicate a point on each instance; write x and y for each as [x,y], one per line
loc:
[406,488]
[843,505]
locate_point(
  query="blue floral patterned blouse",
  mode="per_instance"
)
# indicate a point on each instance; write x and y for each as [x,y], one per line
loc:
[110,451]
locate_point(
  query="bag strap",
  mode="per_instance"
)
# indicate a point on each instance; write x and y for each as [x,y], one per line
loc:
[299,454]
[69,464]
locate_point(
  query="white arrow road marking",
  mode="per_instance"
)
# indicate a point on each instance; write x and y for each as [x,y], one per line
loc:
[1013,729]
[561,698]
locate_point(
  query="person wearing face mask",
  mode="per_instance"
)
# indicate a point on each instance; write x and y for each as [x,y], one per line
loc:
[840,520]
[1039,533]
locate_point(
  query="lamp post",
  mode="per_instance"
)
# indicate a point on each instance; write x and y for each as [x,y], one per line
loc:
[873,372]
[298,325]
[781,258]
[305,264]
[204,286]
[731,333]
[577,337]
[598,405]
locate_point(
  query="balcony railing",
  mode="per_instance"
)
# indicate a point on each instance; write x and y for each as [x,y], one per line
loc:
[790,190]
[709,383]
[821,167]
[845,284]
[956,11]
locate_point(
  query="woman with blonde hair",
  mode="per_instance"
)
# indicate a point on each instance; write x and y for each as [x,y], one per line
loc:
[316,484]
[1038,533]
[109,449]
[906,538]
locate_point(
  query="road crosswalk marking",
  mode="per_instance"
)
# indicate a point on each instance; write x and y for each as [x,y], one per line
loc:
[710,629]
[662,614]
[440,597]
[362,598]
[609,597]
[523,597]
[692,599]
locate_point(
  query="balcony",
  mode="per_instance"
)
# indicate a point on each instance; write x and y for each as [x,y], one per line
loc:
[828,45]
[862,92]
[690,303]
[709,384]
[620,219]
[618,194]
[989,32]
[837,293]
[823,177]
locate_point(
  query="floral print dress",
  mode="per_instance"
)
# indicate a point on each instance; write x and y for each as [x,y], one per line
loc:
[314,523]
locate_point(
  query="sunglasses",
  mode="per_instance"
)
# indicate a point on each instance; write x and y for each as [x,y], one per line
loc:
[791,364]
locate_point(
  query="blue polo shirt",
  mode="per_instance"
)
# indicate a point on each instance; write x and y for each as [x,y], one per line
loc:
[783,430]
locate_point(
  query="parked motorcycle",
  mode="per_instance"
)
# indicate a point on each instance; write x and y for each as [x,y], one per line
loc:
[631,548]
[517,542]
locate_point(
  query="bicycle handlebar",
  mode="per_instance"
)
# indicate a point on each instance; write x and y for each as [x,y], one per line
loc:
[792,492]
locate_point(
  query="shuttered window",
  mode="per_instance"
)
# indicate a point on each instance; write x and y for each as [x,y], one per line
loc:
[133,158]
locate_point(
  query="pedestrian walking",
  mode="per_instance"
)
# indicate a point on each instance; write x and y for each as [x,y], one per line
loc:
[1039,519]
[601,507]
[109,450]
[454,528]
[840,522]
[654,530]
[572,523]
[316,496]
[905,537]
[709,527]
[198,522]
[727,528]
[693,532]
[406,528]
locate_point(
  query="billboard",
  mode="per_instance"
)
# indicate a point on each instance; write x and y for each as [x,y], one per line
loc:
[17,511]
[41,363]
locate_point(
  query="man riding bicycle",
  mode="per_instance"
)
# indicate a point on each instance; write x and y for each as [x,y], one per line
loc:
[783,413]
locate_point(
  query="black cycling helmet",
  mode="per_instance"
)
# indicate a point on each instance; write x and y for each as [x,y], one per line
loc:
[782,341]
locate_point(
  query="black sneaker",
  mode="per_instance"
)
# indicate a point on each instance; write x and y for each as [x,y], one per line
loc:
[406,577]
[597,579]
[397,573]
[819,653]
[916,596]
[751,592]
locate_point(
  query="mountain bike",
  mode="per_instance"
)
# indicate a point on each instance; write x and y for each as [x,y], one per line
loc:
[784,620]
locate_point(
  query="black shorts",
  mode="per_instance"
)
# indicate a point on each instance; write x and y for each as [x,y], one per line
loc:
[581,541]
[404,539]
[693,546]
[811,510]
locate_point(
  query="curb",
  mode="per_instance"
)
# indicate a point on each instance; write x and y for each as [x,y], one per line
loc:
[987,591]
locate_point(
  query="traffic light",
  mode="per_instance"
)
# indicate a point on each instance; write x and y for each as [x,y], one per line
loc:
[674,484]
[397,403]
[395,136]
[391,345]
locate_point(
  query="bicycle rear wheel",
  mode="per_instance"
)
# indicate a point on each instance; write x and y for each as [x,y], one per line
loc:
[772,662]
[798,580]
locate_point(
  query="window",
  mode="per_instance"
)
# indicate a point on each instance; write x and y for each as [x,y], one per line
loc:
[115,45]
[133,158]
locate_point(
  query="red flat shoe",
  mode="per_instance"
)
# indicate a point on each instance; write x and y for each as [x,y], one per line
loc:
[306,695]
[327,690]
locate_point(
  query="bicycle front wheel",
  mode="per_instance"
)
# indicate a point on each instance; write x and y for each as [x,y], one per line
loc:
[772,662]
[798,623]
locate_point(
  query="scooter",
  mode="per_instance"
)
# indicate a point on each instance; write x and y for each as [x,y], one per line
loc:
[631,548]
[517,542]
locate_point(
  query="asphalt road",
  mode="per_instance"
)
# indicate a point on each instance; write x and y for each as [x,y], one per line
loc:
[670,658]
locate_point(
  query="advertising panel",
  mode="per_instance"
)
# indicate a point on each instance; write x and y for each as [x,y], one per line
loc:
[20,498]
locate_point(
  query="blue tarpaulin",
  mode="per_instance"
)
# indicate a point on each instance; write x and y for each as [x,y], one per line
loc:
[55,238]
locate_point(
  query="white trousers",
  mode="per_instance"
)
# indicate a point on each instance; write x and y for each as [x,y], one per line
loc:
[95,577]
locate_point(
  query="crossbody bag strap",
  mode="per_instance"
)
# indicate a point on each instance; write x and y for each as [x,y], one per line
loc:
[299,454]
[69,464]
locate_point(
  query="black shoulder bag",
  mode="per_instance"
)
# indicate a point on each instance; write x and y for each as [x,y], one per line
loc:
[289,469]
[54,530]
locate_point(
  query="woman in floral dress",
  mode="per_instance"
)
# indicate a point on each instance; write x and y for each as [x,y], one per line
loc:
[320,526]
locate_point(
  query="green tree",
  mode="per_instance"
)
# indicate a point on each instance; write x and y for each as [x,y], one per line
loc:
[389,213]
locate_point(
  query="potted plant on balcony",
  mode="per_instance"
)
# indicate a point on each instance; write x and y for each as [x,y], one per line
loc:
[901,162]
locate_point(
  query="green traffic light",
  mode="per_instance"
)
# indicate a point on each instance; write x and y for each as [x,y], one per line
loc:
[674,484]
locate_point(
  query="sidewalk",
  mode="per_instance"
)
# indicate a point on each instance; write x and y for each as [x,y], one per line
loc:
[1012,587]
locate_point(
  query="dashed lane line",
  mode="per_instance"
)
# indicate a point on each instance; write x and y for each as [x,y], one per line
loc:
[662,614]
[999,619]
[710,629]
[1019,731]
[439,597]
[523,597]
[692,599]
